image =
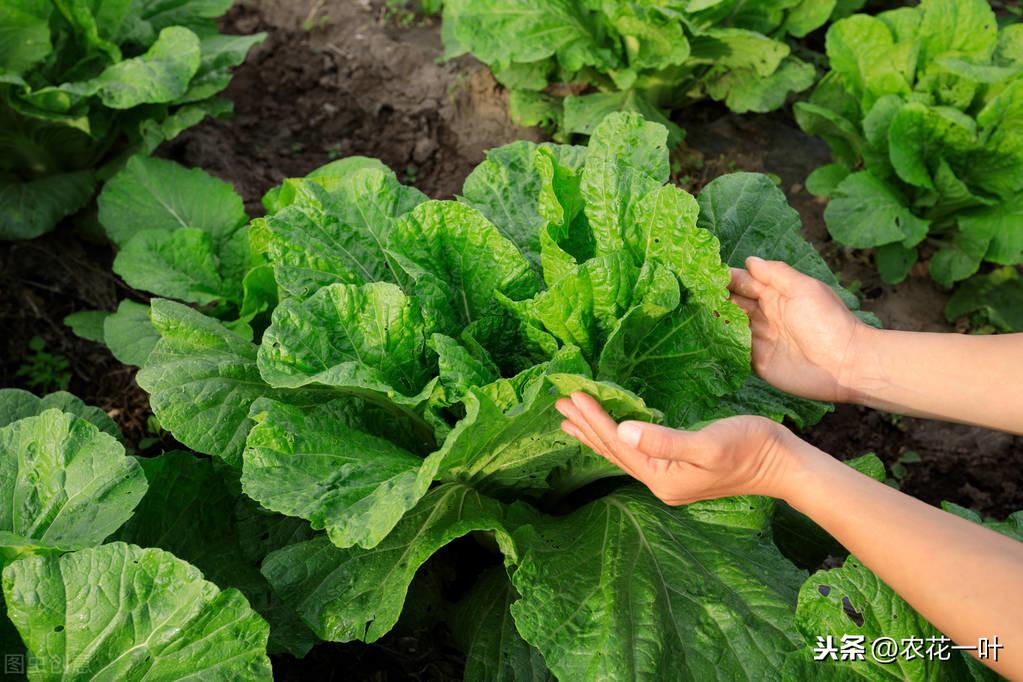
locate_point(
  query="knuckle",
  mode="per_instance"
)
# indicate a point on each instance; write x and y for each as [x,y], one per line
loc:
[657,444]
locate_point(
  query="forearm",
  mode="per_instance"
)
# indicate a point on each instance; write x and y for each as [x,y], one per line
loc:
[954,377]
[965,579]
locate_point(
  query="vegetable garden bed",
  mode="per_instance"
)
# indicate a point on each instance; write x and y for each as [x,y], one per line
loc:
[349,79]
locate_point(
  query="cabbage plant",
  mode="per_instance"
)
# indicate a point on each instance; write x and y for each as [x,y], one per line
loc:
[921,110]
[365,377]
[83,600]
[75,606]
[400,395]
[81,603]
[82,84]
[568,63]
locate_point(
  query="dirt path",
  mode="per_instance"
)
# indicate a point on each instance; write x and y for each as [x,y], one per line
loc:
[353,84]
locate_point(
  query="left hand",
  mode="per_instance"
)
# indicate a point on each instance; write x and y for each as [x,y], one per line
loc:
[742,455]
[805,341]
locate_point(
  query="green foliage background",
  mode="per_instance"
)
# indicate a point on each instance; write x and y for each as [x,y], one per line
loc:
[603,56]
[83,84]
[922,109]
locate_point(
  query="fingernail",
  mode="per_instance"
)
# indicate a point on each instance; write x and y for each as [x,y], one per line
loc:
[755,259]
[629,433]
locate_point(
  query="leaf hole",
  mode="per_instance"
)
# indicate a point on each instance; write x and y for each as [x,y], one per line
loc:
[854,615]
[825,590]
[59,628]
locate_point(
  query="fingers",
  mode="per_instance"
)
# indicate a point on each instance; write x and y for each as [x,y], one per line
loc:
[652,440]
[601,422]
[571,429]
[606,431]
[625,439]
[744,285]
[777,274]
[596,429]
[656,456]
[575,432]
[747,304]
[583,431]
[578,427]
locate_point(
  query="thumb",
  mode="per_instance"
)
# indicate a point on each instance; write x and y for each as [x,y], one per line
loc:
[652,440]
[777,274]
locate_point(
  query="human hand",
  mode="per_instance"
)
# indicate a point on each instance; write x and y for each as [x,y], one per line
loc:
[805,341]
[735,456]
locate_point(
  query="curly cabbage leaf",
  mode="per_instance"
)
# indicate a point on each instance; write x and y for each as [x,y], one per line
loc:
[67,487]
[852,601]
[921,110]
[16,404]
[130,613]
[400,393]
[187,493]
[65,484]
[84,85]
[623,587]
[648,58]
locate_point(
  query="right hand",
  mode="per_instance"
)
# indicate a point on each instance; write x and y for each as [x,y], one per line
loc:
[743,455]
[805,341]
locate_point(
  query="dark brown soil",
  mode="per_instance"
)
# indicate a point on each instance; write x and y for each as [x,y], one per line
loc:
[42,281]
[354,84]
[421,656]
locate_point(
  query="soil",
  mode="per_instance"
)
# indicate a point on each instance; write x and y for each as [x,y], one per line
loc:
[342,78]
[42,281]
[354,84]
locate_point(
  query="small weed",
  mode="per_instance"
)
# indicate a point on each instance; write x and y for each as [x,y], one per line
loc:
[898,468]
[687,167]
[314,21]
[156,433]
[456,86]
[44,371]
[410,174]
[334,151]
[316,24]
[404,13]
[397,12]
[896,420]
